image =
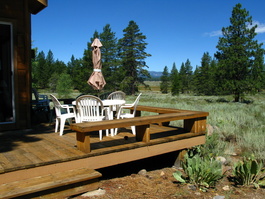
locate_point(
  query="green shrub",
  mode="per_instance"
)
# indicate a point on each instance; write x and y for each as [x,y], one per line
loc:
[249,172]
[202,172]
[213,147]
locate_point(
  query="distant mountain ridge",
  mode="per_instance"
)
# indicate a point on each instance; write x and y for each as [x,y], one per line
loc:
[155,73]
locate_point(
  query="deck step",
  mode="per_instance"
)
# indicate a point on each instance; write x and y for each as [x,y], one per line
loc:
[60,184]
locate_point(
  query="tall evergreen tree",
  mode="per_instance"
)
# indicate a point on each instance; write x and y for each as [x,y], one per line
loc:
[39,70]
[59,67]
[79,74]
[175,81]
[240,56]
[197,80]
[109,58]
[64,85]
[164,85]
[173,71]
[132,54]
[186,77]
[34,70]
[203,76]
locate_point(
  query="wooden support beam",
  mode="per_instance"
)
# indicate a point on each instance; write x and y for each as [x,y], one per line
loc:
[143,133]
[83,142]
[195,125]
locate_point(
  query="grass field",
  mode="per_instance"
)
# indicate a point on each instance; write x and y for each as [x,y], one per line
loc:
[238,127]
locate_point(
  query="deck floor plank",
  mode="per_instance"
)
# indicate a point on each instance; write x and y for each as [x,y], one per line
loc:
[5,163]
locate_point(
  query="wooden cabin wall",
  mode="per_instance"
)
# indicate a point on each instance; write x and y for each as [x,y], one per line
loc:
[17,12]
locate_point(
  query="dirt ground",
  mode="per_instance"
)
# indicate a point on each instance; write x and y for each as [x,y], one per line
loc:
[160,183]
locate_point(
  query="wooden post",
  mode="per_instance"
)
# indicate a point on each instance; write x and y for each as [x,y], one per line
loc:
[195,125]
[143,133]
[83,142]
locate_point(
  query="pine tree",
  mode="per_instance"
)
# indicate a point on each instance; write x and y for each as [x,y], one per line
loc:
[186,77]
[203,76]
[109,58]
[197,80]
[240,57]
[39,69]
[175,81]
[64,85]
[132,54]
[164,85]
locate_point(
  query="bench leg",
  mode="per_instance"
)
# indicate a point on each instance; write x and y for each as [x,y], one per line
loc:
[143,133]
[195,125]
[83,142]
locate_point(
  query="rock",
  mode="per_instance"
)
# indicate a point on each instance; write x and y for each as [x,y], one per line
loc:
[133,175]
[221,159]
[209,129]
[197,193]
[219,197]
[226,188]
[98,192]
[143,172]
[192,187]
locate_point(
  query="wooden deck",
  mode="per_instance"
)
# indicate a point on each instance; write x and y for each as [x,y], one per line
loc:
[40,152]
[41,146]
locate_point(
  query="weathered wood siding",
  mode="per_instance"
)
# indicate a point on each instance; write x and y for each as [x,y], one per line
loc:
[18,13]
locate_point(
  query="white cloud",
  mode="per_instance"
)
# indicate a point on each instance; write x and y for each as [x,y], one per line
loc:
[260,28]
[213,33]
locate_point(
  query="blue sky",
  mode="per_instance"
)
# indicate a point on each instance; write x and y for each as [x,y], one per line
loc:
[176,30]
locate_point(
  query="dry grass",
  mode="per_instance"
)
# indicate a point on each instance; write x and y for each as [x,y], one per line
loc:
[159,184]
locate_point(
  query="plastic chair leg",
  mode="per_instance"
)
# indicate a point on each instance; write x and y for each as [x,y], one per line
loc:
[57,120]
[62,126]
[107,132]
[133,130]
[116,131]
[100,134]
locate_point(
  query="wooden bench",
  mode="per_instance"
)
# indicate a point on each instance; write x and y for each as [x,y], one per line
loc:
[194,121]
[54,185]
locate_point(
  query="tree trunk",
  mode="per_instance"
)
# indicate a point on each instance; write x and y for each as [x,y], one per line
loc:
[237,97]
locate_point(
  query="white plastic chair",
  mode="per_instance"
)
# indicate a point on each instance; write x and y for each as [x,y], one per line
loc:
[90,108]
[116,95]
[63,112]
[122,115]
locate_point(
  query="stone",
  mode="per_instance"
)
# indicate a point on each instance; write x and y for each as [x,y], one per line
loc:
[226,188]
[143,172]
[98,192]
[210,129]
[219,197]
[221,159]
